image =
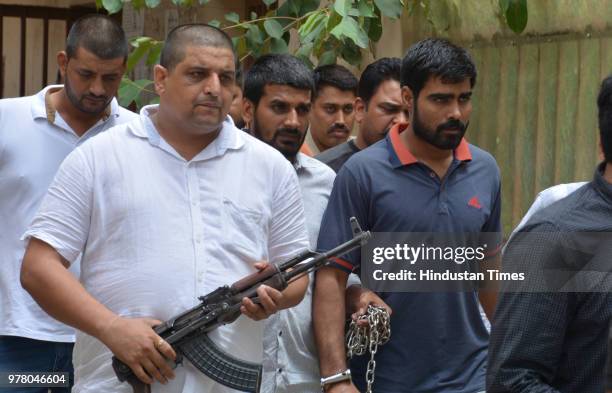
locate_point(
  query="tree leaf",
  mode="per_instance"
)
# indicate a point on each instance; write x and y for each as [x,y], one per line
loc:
[138,4]
[351,54]
[138,41]
[268,3]
[375,29]
[154,53]
[503,5]
[516,15]
[318,28]
[254,36]
[215,23]
[129,90]
[328,57]
[136,55]
[112,6]
[307,6]
[342,7]
[392,8]
[152,3]
[273,28]
[305,50]
[232,17]
[278,45]
[350,28]
[366,9]
[241,46]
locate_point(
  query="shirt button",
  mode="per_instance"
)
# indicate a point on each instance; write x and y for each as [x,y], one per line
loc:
[194,203]
[280,370]
[198,241]
[432,174]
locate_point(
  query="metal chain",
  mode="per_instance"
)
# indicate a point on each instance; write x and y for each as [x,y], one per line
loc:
[360,339]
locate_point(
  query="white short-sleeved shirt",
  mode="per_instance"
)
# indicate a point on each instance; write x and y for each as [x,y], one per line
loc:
[34,140]
[290,362]
[157,231]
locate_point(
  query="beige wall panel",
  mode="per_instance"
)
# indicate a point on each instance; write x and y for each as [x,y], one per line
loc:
[57,42]
[34,52]
[11,41]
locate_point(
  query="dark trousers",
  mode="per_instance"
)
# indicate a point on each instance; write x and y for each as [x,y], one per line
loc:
[24,354]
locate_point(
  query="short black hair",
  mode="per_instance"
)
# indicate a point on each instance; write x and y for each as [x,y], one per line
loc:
[336,76]
[382,70]
[198,34]
[435,57]
[604,106]
[99,35]
[276,69]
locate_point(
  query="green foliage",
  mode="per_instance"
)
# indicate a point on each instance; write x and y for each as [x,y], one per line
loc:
[515,12]
[326,30]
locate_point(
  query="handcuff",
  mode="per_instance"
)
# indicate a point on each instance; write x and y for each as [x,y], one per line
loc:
[332,379]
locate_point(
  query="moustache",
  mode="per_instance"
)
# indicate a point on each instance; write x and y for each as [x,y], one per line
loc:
[452,124]
[96,98]
[287,131]
[339,128]
[211,103]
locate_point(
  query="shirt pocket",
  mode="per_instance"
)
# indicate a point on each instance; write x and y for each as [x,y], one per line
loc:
[244,231]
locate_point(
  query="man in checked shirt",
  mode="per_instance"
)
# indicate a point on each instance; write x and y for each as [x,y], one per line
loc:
[544,340]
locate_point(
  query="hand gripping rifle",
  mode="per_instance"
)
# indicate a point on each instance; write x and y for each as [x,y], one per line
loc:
[187,332]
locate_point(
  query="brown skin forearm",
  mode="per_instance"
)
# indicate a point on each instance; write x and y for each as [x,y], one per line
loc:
[59,293]
[328,319]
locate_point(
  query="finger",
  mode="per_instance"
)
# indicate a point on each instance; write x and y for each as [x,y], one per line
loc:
[252,310]
[152,370]
[165,349]
[260,265]
[152,322]
[268,298]
[160,363]
[141,374]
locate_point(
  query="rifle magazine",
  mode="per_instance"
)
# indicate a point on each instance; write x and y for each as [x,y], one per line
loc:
[221,367]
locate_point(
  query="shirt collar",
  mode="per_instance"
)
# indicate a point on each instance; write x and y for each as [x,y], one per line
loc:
[401,155]
[42,106]
[600,184]
[230,137]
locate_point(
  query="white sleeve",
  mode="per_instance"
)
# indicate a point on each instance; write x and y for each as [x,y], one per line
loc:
[288,234]
[63,218]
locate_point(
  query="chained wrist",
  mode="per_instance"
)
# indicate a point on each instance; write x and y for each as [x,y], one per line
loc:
[342,376]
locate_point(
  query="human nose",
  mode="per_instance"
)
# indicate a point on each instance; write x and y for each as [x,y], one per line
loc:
[97,87]
[291,120]
[400,117]
[454,111]
[212,85]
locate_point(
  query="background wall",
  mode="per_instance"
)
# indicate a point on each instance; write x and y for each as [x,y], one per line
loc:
[535,99]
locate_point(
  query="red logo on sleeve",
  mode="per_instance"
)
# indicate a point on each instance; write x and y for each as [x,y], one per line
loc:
[474,202]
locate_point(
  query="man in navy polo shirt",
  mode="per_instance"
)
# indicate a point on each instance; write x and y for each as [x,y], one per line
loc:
[423,177]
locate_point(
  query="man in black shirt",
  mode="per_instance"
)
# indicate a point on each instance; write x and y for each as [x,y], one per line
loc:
[551,336]
[378,108]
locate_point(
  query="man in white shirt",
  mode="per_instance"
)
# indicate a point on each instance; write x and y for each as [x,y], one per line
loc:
[36,134]
[164,209]
[277,103]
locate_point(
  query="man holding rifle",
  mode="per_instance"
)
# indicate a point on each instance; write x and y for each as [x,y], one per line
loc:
[164,209]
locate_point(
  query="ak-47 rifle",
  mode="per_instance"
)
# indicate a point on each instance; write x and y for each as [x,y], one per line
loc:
[187,332]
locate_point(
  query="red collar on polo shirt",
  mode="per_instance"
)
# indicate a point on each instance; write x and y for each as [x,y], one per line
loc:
[462,152]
